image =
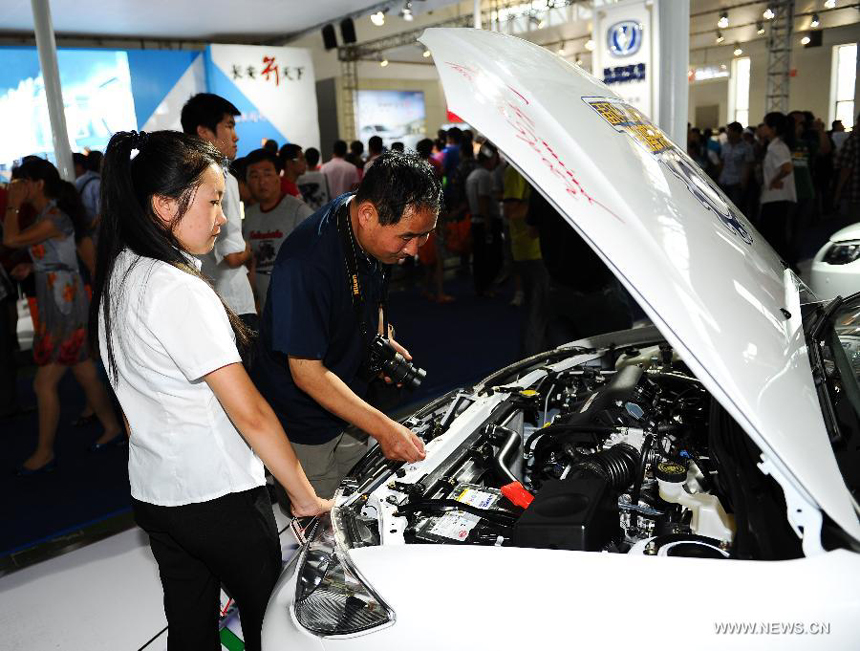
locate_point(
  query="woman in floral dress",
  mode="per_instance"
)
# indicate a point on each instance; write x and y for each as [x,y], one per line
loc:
[62,306]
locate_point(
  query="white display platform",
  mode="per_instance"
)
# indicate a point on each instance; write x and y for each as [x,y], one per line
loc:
[105,596]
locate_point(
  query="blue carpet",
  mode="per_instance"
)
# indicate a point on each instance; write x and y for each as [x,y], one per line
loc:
[456,343]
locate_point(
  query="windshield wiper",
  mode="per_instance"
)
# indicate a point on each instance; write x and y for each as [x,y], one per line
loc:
[818,321]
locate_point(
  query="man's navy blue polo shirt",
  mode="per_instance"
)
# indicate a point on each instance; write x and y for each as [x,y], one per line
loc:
[309,313]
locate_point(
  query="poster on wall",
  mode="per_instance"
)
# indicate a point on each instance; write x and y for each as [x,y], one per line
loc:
[625,42]
[274,89]
[96,92]
[393,115]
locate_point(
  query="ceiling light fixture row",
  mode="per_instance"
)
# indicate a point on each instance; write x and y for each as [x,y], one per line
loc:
[723,22]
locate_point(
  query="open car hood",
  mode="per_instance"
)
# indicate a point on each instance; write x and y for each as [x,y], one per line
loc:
[711,284]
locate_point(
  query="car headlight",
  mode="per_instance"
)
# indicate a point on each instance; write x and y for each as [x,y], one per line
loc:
[843,253]
[331,596]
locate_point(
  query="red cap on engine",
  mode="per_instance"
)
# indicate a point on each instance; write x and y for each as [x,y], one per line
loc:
[517,494]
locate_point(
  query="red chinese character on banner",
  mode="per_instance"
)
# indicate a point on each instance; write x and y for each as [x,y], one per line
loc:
[271,68]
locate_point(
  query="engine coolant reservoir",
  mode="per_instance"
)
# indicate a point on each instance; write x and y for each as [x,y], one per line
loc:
[709,517]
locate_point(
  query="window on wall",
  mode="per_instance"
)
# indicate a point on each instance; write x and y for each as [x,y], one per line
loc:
[739,91]
[842,84]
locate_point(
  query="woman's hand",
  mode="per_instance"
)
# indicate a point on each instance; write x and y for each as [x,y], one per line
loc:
[317,507]
[17,194]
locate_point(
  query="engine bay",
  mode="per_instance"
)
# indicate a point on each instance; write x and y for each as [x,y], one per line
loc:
[603,451]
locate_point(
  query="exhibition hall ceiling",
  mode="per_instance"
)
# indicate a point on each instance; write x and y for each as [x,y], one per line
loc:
[269,20]
[213,20]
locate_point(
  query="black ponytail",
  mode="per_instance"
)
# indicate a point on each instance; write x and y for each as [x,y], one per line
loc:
[168,164]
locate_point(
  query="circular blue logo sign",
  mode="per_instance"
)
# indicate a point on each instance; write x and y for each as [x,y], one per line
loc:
[625,38]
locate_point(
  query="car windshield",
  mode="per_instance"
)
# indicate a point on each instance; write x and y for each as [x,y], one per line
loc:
[834,333]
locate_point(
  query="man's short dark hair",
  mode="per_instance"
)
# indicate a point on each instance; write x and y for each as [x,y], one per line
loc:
[356,147]
[312,156]
[79,159]
[289,152]
[396,182]
[374,145]
[736,127]
[205,110]
[486,151]
[339,148]
[398,146]
[260,155]
[455,135]
[424,147]
[94,161]
[271,145]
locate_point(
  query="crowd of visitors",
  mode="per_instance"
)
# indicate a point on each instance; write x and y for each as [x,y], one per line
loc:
[785,174]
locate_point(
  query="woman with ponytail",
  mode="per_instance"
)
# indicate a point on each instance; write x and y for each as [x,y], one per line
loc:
[196,422]
[60,341]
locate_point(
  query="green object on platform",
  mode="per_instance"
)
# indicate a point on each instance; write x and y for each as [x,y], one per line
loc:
[231,641]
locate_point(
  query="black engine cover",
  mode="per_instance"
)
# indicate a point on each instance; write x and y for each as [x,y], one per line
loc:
[579,513]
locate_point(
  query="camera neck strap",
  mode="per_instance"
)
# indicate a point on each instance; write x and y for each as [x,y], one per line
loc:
[350,253]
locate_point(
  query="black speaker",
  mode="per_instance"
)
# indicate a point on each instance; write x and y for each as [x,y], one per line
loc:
[347,31]
[814,38]
[329,37]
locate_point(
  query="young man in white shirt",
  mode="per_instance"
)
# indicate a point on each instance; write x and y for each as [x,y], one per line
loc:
[213,118]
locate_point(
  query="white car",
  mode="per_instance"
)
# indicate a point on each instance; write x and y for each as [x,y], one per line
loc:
[836,266]
[688,485]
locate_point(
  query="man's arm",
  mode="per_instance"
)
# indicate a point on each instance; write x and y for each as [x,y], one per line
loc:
[234,260]
[327,389]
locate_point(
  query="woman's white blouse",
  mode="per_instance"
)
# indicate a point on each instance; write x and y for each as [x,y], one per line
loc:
[169,330]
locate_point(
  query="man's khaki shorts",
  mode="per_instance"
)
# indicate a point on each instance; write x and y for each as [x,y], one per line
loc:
[326,464]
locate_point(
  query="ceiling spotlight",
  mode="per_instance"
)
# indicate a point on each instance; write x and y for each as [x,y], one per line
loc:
[830,4]
[768,14]
[406,12]
[561,51]
[589,45]
[720,37]
[759,28]
[378,18]
[738,50]
[723,22]
[426,54]
[805,40]
[816,21]
[578,61]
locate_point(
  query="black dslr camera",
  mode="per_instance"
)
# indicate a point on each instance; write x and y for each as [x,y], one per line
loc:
[385,359]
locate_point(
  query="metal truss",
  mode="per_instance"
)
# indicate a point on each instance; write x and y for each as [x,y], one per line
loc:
[350,55]
[779,56]
[348,86]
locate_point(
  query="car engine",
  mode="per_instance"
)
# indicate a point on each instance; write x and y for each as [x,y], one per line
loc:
[578,449]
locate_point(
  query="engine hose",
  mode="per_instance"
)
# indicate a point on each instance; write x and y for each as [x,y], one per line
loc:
[546,435]
[617,465]
[640,477]
[507,452]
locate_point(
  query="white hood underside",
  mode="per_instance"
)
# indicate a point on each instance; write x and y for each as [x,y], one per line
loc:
[707,279]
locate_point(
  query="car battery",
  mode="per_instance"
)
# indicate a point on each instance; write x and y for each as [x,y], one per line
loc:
[460,526]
